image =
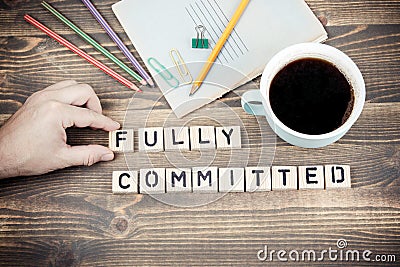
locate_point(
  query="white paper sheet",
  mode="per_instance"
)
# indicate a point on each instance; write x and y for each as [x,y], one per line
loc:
[266,27]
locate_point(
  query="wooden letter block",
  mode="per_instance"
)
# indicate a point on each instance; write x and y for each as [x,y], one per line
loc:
[205,179]
[121,140]
[179,180]
[176,138]
[124,182]
[311,177]
[152,181]
[258,179]
[202,137]
[231,180]
[228,137]
[151,139]
[284,177]
[337,176]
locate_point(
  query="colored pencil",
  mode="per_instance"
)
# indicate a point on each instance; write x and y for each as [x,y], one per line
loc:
[81,53]
[219,45]
[117,40]
[91,41]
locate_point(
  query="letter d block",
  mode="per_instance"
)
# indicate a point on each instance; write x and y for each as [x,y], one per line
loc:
[337,176]
[179,180]
[124,182]
[205,179]
[121,140]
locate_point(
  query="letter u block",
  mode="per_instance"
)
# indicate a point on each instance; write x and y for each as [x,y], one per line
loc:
[151,139]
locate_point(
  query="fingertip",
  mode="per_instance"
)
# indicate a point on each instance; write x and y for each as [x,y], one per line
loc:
[107,157]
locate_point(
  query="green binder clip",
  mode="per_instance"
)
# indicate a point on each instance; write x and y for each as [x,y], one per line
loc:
[200,41]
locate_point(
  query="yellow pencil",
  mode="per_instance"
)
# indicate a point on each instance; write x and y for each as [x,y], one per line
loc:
[225,35]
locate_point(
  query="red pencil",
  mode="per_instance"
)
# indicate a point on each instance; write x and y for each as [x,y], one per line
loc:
[81,53]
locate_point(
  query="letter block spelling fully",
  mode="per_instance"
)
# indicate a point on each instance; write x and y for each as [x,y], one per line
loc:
[228,137]
[151,139]
[176,138]
[121,140]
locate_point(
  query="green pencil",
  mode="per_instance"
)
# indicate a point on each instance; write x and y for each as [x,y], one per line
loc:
[95,44]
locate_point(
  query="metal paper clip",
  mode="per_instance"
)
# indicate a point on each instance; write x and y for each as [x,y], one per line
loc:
[163,72]
[181,66]
[200,29]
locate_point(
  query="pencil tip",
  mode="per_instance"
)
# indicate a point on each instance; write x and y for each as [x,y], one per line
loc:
[195,87]
[143,82]
[150,82]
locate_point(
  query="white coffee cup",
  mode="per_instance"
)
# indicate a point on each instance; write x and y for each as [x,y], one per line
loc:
[257,102]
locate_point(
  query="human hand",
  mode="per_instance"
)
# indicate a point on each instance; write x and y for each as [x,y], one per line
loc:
[33,140]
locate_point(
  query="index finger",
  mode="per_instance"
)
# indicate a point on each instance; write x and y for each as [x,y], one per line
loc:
[83,117]
[77,95]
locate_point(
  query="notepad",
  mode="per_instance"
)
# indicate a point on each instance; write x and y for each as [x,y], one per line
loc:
[155,27]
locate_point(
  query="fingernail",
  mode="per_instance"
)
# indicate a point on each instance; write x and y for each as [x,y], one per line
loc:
[107,157]
[117,125]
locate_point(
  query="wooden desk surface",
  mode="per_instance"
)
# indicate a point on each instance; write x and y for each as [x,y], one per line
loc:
[70,217]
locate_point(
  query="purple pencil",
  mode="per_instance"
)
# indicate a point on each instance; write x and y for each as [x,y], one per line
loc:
[118,41]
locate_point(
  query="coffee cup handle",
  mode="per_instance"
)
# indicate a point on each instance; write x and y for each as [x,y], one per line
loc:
[251,103]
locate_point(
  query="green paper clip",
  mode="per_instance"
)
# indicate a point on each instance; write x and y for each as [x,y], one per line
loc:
[200,41]
[163,72]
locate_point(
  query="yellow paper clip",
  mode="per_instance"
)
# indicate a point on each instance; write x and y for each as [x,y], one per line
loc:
[163,72]
[181,66]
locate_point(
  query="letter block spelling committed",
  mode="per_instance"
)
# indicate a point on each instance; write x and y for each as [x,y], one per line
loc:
[178,180]
[231,180]
[205,179]
[176,138]
[202,137]
[228,137]
[258,179]
[121,140]
[152,181]
[311,177]
[337,176]
[151,139]
[124,182]
[284,177]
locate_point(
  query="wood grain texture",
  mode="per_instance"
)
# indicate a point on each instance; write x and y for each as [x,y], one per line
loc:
[71,218]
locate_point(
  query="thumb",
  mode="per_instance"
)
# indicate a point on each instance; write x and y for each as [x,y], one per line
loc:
[87,155]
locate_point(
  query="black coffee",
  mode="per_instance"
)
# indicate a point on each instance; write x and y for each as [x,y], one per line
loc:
[311,96]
